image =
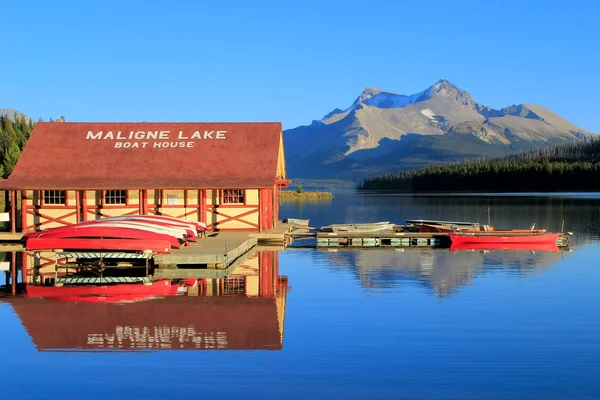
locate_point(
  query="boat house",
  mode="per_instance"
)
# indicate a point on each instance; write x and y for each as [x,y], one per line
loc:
[226,175]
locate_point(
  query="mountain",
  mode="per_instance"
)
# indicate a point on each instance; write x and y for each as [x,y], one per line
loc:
[385,132]
[11,113]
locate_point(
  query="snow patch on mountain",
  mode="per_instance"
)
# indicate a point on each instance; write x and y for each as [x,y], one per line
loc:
[428,113]
[392,100]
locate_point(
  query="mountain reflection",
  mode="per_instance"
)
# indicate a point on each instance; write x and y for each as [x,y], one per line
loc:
[244,311]
[441,271]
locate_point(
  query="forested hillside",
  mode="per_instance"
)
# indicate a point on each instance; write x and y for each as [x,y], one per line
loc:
[569,167]
[14,132]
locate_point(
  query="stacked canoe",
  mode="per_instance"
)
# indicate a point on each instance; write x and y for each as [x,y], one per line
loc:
[154,233]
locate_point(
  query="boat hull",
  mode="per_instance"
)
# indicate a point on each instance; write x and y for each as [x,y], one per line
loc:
[157,246]
[102,232]
[501,238]
[365,227]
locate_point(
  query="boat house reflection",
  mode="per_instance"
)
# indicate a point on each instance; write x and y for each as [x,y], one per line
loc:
[243,311]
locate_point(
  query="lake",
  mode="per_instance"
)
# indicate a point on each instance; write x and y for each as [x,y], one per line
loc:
[368,324]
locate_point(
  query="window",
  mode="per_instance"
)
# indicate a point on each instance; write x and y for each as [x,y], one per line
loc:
[118,197]
[234,285]
[55,197]
[233,196]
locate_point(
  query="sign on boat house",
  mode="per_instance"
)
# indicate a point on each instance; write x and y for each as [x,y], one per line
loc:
[226,175]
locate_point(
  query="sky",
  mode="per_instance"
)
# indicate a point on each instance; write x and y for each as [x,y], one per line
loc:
[291,61]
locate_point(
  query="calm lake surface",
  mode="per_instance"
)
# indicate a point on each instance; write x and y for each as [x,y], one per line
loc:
[371,324]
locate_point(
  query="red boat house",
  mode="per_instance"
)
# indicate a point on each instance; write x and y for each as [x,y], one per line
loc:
[226,175]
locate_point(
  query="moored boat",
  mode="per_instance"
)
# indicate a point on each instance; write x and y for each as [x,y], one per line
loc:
[503,237]
[179,233]
[154,245]
[362,227]
[458,224]
[198,226]
[191,230]
[105,232]
[296,221]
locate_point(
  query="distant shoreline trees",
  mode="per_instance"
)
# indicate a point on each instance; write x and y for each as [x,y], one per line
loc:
[568,167]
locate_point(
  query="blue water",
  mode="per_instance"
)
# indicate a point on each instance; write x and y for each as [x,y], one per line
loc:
[376,324]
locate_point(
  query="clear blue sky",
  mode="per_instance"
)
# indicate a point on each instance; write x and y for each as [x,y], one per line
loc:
[291,61]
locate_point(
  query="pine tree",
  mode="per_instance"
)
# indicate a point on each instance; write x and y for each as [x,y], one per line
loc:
[10,158]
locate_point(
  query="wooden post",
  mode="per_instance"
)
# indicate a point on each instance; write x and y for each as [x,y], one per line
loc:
[13,211]
[84,205]
[13,272]
[268,224]
[24,268]
[275,204]
[145,203]
[261,212]
[202,205]
[77,206]
[23,210]
[140,202]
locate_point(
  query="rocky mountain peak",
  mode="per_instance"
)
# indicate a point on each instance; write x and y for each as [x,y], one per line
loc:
[367,94]
[444,88]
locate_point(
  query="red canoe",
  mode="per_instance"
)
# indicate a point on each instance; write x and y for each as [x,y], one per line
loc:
[171,221]
[104,232]
[551,247]
[503,238]
[157,246]
[102,293]
[190,228]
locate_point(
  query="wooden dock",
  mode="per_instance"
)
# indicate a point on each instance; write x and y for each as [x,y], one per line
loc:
[396,239]
[277,235]
[215,251]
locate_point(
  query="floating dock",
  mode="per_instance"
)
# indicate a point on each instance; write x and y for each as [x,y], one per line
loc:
[215,251]
[396,239]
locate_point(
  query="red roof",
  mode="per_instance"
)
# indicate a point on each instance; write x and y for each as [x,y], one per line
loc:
[75,155]
[173,323]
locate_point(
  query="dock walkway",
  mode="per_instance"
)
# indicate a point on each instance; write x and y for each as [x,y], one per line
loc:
[216,250]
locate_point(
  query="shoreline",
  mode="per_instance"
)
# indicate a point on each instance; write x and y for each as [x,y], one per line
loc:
[292,195]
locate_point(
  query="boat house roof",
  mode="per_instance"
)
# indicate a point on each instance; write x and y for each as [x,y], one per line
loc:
[161,155]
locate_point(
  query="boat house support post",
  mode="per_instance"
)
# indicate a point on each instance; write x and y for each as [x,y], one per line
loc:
[13,211]
[24,268]
[23,210]
[141,202]
[84,205]
[78,206]
[145,202]
[202,205]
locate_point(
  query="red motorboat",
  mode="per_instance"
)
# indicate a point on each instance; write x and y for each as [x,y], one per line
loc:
[103,232]
[103,293]
[550,247]
[157,246]
[503,237]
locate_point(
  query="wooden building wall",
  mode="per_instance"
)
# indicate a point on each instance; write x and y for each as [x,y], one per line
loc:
[258,211]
